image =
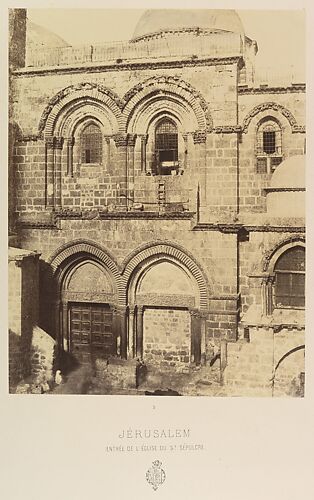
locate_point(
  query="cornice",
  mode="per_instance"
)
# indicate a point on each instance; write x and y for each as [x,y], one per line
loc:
[289,89]
[128,66]
[236,228]
[103,215]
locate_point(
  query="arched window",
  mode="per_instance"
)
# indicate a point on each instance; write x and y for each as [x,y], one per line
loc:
[290,278]
[91,144]
[166,147]
[268,146]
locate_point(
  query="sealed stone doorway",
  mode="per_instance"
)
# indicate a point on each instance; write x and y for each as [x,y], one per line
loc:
[162,330]
[167,336]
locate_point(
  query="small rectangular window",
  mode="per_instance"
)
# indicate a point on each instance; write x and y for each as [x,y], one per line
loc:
[261,166]
[87,156]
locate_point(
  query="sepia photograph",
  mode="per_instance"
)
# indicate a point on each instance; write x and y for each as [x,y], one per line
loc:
[156,203]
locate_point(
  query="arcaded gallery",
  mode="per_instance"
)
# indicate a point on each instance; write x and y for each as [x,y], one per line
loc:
[156,212]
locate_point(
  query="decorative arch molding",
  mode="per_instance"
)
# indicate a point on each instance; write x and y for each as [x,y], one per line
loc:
[149,108]
[270,258]
[272,106]
[71,94]
[175,253]
[67,123]
[174,86]
[91,249]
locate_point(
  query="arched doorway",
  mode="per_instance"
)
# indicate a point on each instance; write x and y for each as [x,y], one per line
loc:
[165,326]
[88,312]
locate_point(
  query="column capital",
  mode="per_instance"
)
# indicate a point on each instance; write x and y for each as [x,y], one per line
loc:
[131,138]
[70,141]
[58,142]
[120,140]
[268,280]
[143,137]
[195,313]
[50,141]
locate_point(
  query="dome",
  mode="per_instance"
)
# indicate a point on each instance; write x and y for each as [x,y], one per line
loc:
[38,36]
[290,173]
[286,194]
[158,20]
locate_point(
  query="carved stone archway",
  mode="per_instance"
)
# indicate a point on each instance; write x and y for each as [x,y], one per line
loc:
[184,298]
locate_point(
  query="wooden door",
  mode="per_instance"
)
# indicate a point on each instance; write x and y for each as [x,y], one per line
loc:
[91,329]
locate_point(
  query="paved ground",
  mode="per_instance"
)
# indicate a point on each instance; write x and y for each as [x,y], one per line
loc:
[202,382]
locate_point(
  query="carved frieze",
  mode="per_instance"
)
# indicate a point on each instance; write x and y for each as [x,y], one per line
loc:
[85,86]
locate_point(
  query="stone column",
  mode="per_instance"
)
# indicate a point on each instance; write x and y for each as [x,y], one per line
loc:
[108,153]
[195,336]
[121,166]
[267,295]
[186,151]
[203,337]
[58,171]
[115,329]
[70,144]
[122,330]
[65,328]
[58,325]
[199,138]
[145,168]
[131,334]
[139,331]
[130,169]
[49,191]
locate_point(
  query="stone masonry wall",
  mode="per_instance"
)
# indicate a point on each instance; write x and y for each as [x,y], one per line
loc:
[253,369]
[31,350]
[15,290]
[214,251]
[251,254]
[167,337]
[29,160]
[251,183]
[38,90]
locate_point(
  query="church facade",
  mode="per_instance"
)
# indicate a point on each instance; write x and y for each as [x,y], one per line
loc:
[160,189]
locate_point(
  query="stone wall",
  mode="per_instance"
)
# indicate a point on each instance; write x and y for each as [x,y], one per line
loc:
[213,251]
[286,107]
[167,337]
[23,312]
[31,350]
[270,364]
[42,355]
[252,255]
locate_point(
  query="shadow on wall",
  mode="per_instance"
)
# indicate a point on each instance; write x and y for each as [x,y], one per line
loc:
[19,359]
[31,363]
[47,296]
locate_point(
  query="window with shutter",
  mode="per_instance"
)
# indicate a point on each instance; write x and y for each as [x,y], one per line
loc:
[166,147]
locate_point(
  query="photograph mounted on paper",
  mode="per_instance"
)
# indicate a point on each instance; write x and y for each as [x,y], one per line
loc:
[156,202]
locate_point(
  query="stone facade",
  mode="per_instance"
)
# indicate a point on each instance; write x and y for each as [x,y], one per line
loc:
[31,350]
[207,219]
